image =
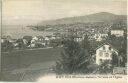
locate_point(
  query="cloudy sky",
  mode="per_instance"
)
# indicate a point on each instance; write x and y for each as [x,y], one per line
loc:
[33,11]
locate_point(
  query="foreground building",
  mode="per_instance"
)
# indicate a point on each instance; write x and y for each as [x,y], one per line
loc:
[104,52]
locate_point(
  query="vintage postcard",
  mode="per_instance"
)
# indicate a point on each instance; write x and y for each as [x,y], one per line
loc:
[75,41]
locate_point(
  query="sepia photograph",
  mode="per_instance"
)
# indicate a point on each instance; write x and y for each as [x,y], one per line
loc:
[53,40]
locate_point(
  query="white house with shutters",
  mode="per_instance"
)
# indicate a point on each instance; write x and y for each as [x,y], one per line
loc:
[117,32]
[104,52]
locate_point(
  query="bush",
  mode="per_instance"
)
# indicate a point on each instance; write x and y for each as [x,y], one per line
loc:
[105,67]
[74,59]
[7,46]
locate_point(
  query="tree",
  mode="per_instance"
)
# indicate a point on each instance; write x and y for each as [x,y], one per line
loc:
[88,53]
[38,45]
[7,46]
[55,42]
[105,67]
[114,59]
[20,43]
[74,59]
[122,60]
[86,43]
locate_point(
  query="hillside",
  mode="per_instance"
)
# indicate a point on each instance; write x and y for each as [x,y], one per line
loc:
[97,17]
[99,21]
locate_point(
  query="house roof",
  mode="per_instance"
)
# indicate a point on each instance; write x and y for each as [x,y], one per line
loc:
[40,37]
[105,43]
[3,38]
[117,29]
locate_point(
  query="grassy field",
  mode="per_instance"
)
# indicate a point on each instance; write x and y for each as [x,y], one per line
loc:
[24,58]
[28,65]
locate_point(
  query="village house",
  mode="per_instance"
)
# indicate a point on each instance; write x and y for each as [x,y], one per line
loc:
[56,36]
[40,38]
[19,43]
[8,38]
[3,39]
[53,37]
[100,36]
[77,39]
[32,45]
[25,41]
[33,42]
[104,52]
[47,39]
[79,36]
[37,40]
[117,32]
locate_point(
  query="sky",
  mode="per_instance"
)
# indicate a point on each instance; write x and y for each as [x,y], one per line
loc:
[34,11]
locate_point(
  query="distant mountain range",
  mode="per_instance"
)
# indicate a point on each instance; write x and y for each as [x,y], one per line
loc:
[97,17]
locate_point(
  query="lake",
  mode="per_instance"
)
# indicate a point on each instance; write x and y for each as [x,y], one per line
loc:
[18,31]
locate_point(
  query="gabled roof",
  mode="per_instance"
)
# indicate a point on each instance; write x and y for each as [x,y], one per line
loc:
[117,29]
[3,38]
[105,43]
[40,37]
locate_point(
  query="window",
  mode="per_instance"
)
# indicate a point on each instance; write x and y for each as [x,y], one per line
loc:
[103,47]
[111,55]
[109,48]
[101,60]
[100,53]
[106,54]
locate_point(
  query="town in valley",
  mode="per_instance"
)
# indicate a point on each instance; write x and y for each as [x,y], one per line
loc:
[104,44]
